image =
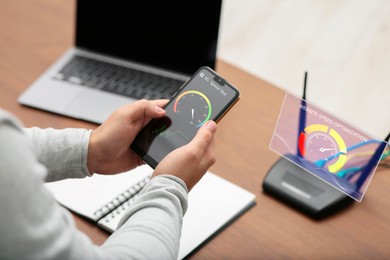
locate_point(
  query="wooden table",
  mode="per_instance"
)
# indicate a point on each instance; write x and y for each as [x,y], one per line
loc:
[35,33]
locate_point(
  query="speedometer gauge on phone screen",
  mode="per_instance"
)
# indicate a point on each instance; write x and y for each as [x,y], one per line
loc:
[193,106]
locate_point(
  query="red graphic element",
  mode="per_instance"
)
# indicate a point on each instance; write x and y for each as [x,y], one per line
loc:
[301,143]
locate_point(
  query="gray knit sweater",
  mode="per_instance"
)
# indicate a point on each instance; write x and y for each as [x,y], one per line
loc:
[34,226]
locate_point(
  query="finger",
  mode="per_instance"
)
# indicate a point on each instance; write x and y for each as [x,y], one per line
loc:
[209,158]
[143,108]
[205,161]
[160,102]
[155,108]
[204,138]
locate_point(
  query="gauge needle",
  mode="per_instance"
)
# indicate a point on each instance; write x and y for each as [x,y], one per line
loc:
[325,149]
[192,112]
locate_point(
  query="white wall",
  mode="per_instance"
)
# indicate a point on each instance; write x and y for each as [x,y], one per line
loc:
[343,44]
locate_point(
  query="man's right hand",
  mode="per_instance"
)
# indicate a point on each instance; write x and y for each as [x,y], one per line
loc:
[191,162]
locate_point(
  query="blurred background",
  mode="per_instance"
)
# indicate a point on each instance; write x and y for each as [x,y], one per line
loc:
[344,45]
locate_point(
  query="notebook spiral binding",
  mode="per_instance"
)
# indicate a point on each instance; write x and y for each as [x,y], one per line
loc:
[122,201]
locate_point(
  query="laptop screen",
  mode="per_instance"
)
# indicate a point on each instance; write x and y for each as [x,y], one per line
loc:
[174,35]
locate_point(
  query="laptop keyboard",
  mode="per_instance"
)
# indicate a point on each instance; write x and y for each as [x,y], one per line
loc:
[117,79]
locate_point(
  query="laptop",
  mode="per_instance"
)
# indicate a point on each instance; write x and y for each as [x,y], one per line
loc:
[125,51]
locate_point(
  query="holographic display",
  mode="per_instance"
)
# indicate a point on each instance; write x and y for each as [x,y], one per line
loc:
[326,146]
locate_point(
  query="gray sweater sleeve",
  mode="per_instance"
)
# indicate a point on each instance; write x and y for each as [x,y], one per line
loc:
[63,152]
[34,226]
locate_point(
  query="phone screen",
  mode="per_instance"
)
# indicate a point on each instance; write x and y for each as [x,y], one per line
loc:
[205,96]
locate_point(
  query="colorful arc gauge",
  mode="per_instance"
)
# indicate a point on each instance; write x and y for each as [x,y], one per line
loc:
[319,141]
[194,106]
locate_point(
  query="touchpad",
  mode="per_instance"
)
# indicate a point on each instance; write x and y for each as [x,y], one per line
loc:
[95,105]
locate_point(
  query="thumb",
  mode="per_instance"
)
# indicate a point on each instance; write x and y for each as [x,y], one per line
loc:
[205,135]
[143,108]
[154,108]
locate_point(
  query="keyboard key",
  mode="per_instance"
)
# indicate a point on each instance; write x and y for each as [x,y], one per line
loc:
[117,79]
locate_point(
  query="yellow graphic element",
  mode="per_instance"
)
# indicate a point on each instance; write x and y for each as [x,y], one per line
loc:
[342,157]
[316,128]
[342,150]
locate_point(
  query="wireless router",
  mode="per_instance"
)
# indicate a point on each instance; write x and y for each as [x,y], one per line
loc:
[298,188]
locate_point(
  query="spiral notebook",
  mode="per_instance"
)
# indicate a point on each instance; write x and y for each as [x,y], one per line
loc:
[213,203]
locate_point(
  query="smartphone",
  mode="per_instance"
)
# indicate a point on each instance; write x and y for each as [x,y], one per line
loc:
[205,96]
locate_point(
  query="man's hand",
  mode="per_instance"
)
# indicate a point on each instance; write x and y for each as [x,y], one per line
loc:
[190,162]
[109,146]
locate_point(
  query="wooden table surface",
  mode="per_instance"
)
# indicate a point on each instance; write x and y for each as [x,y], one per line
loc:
[33,34]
